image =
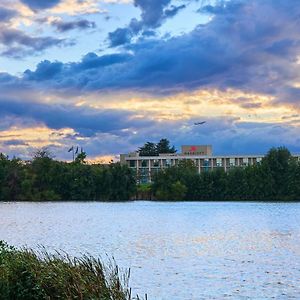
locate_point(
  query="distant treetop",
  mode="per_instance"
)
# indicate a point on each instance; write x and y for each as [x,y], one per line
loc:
[154,149]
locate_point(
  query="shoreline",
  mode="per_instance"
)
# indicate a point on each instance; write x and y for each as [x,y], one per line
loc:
[154,201]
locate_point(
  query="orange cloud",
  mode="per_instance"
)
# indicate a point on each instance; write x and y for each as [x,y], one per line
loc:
[199,104]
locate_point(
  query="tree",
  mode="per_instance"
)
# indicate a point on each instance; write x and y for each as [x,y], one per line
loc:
[174,192]
[116,182]
[294,181]
[176,179]
[276,163]
[149,149]
[42,176]
[4,164]
[218,184]
[236,184]
[163,146]
[82,185]
[80,158]
[153,149]
[14,178]
[43,153]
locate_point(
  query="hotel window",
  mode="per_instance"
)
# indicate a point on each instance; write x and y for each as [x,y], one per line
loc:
[245,161]
[206,163]
[156,163]
[132,163]
[219,162]
[232,162]
[168,162]
[144,163]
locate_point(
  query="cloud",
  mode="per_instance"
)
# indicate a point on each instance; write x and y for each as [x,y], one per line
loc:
[85,120]
[119,37]
[38,4]
[241,47]
[152,11]
[82,24]
[111,131]
[173,10]
[6,14]
[251,47]
[78,7]
[15,143]
[47,70]
[153,14]
[19,43]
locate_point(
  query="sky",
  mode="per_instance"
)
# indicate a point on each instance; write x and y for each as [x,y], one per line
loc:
[110,75]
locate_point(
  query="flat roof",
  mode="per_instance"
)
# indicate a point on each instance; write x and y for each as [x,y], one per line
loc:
[193,156]
[185,156]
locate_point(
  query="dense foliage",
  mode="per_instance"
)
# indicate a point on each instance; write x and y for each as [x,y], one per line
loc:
[277,177]
[44,178]
[154,149]
[26,275]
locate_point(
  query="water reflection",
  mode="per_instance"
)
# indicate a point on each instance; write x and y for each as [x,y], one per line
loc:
[176,250]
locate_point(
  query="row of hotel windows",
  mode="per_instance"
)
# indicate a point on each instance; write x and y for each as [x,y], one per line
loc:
[217,162]
[194,153]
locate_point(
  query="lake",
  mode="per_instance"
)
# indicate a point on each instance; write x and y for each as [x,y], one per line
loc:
[181,250]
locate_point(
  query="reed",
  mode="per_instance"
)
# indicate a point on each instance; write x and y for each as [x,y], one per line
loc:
[28,275]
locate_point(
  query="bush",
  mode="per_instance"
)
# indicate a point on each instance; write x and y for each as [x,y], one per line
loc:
[29,275]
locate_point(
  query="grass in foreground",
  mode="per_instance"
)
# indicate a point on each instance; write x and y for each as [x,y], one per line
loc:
[29,275]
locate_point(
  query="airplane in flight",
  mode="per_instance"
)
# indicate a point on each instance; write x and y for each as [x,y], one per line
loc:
[200,123]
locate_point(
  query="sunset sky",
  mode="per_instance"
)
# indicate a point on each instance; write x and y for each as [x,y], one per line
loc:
[109,75]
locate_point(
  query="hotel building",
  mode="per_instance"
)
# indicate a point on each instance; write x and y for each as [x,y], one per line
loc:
[202,156]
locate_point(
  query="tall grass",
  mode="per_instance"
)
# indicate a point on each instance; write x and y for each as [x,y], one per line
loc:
[28,275]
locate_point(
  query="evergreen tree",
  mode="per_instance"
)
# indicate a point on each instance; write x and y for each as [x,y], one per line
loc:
[163,146]
[149,149]
[153,149]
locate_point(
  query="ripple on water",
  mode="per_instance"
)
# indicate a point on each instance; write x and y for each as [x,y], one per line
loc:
[176,250]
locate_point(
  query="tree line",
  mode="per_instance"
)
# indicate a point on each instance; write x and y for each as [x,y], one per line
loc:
[276,178]
[44,178]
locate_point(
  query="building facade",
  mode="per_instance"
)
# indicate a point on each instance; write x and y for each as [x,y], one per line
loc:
[202,156]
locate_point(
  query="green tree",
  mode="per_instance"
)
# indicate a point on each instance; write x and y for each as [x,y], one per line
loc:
[176,178]
[276,163]
[204,189]
[14,178]
[80,158]
[218,184]
[153,149]
[294,181]
[149,149]
[4,165]
[42,176]
[116,183]
[163,146]
[236,184]
[82,185]
[175,192]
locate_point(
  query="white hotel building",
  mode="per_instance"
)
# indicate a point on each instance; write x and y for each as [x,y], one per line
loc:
[201,155]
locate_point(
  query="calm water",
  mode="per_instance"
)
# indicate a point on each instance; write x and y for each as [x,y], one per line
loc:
[176,250]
